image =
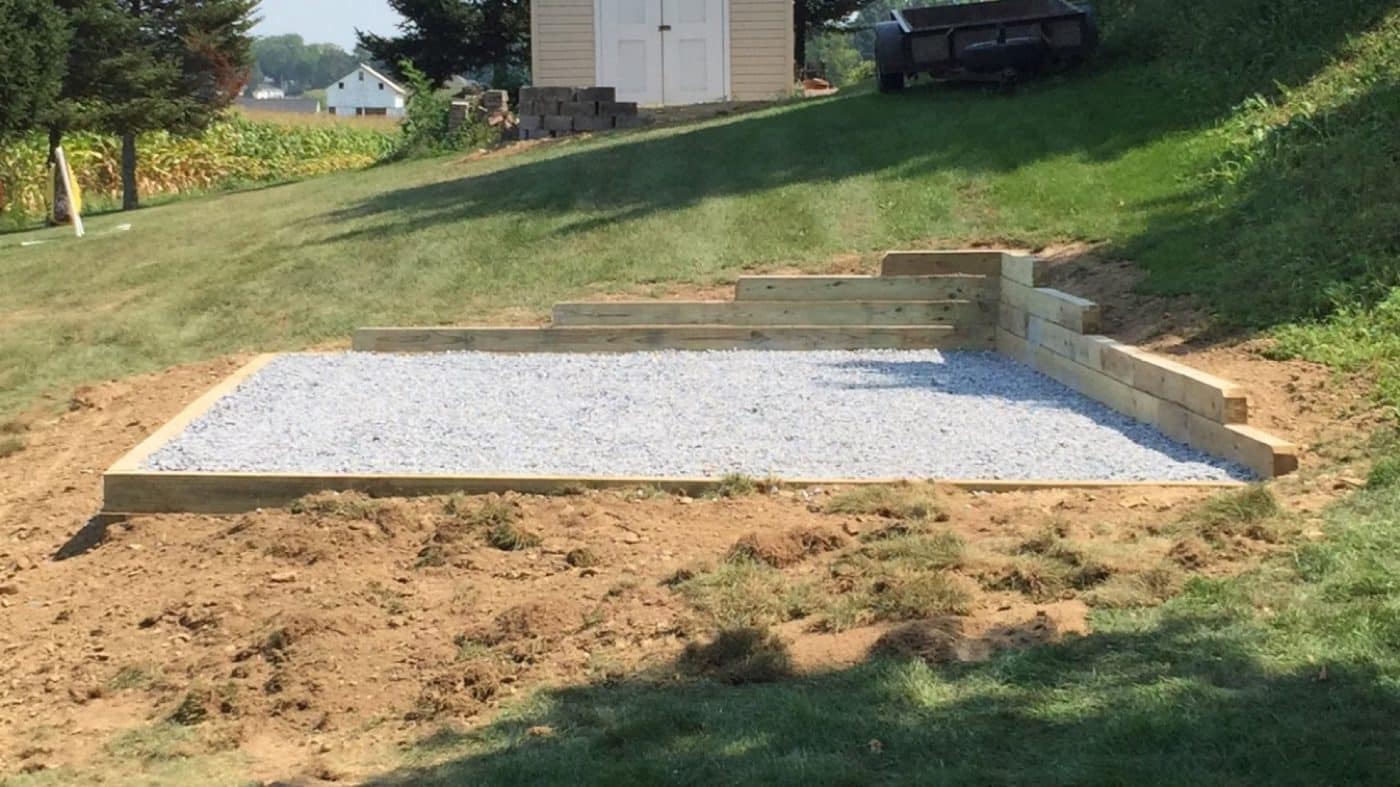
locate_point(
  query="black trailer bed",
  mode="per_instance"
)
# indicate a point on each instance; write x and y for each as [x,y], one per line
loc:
[1001,38]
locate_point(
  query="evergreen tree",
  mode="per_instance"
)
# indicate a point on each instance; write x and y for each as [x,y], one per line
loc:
[185,60]
[33,58]
[447,37]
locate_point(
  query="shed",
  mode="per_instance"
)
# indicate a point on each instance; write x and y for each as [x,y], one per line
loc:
[365,91]
[659,52]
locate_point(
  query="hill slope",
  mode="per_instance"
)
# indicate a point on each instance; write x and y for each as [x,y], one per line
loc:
[1152,151]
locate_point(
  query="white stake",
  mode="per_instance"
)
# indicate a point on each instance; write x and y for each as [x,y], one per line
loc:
[67,176]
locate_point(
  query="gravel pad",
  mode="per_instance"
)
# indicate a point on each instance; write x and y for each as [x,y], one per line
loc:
[862,414]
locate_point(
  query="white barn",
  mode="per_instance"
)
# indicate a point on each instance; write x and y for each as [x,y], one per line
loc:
[365,91]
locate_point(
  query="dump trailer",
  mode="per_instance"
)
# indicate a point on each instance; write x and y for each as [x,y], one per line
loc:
[1001,40]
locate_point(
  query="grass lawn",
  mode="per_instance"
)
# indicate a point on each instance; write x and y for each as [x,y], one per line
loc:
[1285,200]
[440,241]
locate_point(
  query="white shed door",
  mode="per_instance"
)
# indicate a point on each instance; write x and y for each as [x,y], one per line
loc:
[662,51]
[692,51]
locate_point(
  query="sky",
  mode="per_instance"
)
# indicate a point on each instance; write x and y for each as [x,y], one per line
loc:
[325,21]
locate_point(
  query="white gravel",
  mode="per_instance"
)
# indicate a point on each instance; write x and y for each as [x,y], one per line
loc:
[862,414]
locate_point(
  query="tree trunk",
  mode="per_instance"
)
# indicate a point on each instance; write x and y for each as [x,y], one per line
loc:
[799,38]
[61,213]
[130,199]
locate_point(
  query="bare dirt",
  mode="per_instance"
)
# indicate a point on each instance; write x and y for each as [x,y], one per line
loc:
[314,643]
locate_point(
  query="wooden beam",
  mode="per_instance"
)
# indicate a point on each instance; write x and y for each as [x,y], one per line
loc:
[1024,270]
[1264,454]
[1204,394]
[681,337]
[866,288]
[766,313]
[1085,350]
[1075,313]
[134,493]
[977,262]
[137,456]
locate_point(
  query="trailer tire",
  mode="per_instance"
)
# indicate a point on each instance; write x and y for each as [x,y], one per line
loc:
[889,56]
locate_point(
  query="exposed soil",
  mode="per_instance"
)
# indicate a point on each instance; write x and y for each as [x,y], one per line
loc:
[314,642]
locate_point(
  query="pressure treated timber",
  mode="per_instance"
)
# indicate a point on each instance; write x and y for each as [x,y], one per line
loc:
[978,262]
[1061,308]
[136,456]
[672,337]
[770,312]
[135,492]
[1204,394]
[1024,270]
[866,288]
[1264,454]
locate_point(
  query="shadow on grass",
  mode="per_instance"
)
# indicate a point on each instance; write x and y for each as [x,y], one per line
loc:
[1307,229]
[1184,702]
[923,130]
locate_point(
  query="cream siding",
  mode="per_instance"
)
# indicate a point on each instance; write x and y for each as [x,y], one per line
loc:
[562,48]
[760,49]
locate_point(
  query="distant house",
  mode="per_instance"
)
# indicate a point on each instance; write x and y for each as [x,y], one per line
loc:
[365,91]
[268,93]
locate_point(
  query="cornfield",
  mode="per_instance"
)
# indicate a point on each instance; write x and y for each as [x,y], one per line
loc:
[233,152]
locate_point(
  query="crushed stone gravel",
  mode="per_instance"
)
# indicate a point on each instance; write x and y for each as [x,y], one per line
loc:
[857,414]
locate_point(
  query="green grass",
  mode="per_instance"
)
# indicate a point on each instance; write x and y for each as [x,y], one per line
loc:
[1122,153]
[1290,675]
[442,241]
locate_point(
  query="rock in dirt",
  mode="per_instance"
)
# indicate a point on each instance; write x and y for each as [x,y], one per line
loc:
[283,577]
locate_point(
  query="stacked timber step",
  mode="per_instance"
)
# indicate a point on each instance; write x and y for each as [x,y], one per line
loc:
[940,310]
[1056,333]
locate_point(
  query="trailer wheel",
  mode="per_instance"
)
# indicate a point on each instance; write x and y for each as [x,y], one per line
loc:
[889,56]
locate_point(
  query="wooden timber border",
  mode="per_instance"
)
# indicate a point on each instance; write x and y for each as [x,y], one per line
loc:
[969,299]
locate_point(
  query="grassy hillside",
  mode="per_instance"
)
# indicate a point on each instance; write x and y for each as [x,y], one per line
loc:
[1232,148]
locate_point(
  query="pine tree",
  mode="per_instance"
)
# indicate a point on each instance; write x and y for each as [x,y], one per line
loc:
[144,65]
[187,61]
[443,38]
[33,58]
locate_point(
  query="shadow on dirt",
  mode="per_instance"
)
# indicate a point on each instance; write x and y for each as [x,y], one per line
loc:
[1180,703]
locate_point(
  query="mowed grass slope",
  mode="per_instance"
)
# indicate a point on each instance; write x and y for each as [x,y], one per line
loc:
[1275,209]
[441,241]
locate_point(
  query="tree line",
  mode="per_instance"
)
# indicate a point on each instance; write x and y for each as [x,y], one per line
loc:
[292,63]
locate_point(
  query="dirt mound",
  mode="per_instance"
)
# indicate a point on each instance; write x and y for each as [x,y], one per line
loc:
[743,655]
[949,639]
[788,547]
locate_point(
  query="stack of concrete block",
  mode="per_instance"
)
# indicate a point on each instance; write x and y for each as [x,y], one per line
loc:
[561,111]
